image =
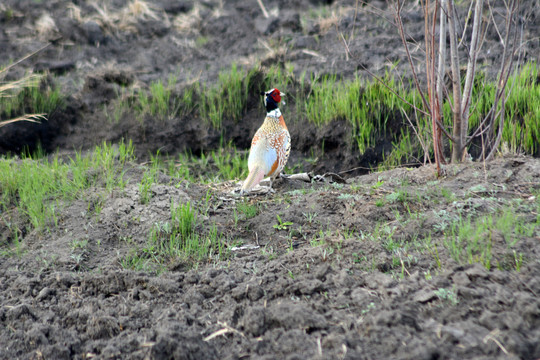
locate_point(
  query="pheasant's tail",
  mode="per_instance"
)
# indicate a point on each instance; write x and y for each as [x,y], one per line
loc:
[255,176]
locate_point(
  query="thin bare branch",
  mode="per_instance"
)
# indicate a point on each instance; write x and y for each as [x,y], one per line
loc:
[456,85]
[499,134]
[24,58]
[263,9]
[471,67]
[397,16]
[383,83]
[469,13]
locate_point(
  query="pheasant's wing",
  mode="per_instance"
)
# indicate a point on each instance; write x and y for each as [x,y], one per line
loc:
[282,144]
[262,154]
[286,147]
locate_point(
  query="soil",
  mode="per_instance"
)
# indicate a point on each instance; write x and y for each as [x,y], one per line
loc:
[351,278]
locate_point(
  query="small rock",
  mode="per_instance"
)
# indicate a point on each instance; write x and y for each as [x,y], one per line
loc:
[461,279]
[476,270]
[424,295]
[322,271]
[253,321]
[192,277]
[454,333]
[291,20]
[307,287]
[239,292]
[36,337]
[254,292]
[304,42]
[19,311]
[45,293]
[102,327]
[93,32]
[377,280]
[266,26]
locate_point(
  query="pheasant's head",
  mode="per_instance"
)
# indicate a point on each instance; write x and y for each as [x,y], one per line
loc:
[272,98]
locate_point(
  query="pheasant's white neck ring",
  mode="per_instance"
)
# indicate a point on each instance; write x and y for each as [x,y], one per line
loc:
[276,113]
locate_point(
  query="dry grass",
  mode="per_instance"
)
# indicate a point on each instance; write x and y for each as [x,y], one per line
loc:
[327,17]
[35,118]
[189,22]
[45,26]
[13,88]
[123,19]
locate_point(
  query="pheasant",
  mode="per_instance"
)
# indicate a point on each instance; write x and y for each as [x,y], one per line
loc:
[271,145]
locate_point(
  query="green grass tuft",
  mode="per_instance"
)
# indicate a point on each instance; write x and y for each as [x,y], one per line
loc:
[30,98]
[37,186]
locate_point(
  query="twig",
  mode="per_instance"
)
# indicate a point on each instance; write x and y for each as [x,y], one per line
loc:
[391,167]
[347,51]
[226,329]
[265,13]
[491,336]
[24,58]
[424,147]
[409,58]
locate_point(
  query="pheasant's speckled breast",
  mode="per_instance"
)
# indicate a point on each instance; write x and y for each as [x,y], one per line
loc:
[271,146]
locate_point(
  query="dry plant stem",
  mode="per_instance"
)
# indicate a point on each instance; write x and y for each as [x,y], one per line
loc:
[261,5]
[35,118]
[397,15]
[471,67]
[433,105]
[6,69]
[17,85]
[441,72]
[347,51]
[504,74]
[457,149]
[424,146]
[430,77]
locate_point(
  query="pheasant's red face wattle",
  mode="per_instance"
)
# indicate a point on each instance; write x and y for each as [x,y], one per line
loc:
[276,95]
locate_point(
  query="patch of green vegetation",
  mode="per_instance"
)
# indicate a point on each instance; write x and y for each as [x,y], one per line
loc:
[401,195]
[227,98]
[32,95]
[201,41]
[177,240]
[366,105]
[282,225]
[521,131]
[158,102]
[249,210]
[226,163]
[310,217]
[447,295]
[471,241]
[148,179]
[37,186]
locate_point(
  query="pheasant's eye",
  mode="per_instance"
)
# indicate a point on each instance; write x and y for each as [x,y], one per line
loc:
[276,95]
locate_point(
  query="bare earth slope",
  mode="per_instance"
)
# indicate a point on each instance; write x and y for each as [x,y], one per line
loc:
[365,271]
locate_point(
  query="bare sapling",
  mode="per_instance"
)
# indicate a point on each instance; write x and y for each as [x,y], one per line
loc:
[442,14]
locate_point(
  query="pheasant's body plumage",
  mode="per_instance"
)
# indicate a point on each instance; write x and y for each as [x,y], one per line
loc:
[270,149]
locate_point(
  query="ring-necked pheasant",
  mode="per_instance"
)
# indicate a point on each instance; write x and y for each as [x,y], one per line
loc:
[271,145]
